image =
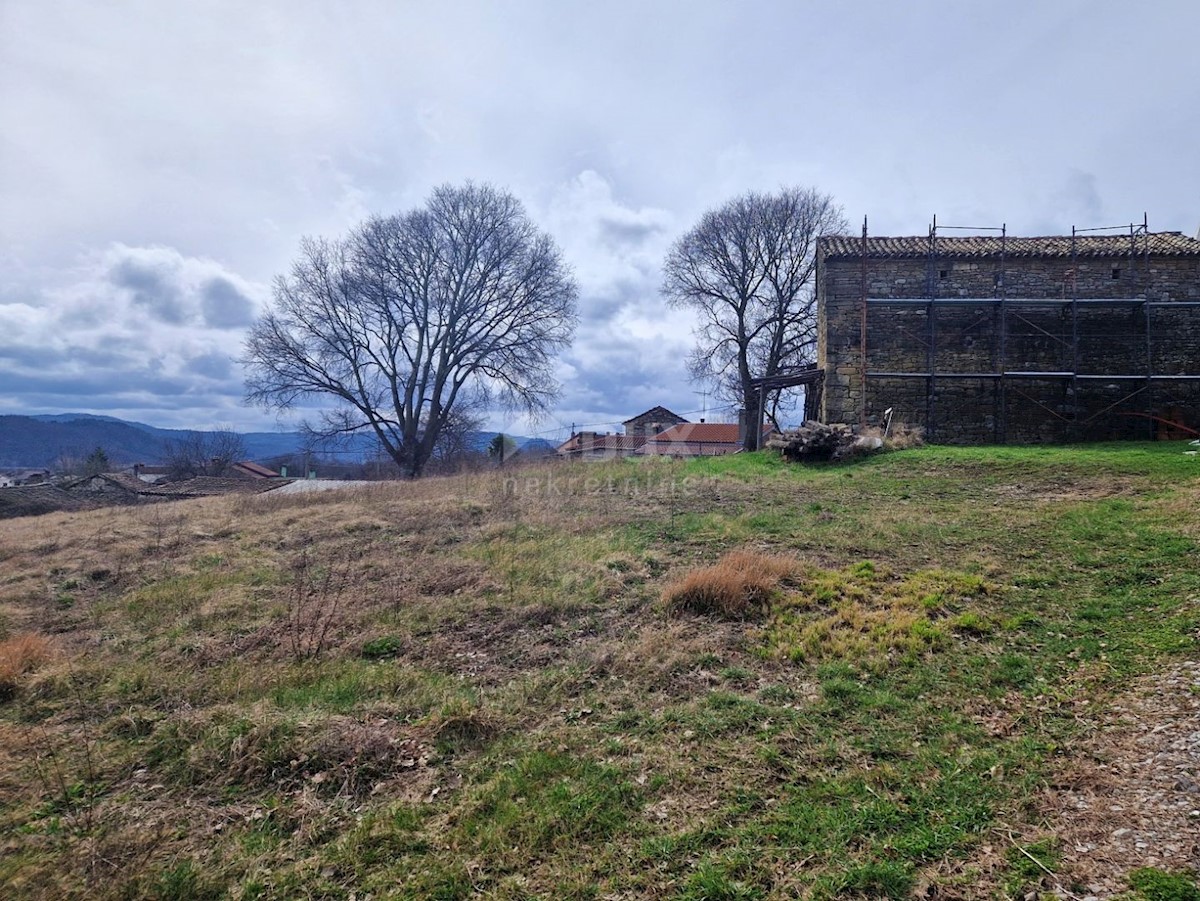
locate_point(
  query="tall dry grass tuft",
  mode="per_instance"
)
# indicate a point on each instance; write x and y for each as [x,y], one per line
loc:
[739,586]
[20,655]
[902,436]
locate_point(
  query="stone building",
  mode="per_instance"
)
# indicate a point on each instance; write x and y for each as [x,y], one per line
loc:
[652,422]
[995,339]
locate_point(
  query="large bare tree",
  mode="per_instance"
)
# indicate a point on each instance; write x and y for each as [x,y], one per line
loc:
[415,316]
[747,269]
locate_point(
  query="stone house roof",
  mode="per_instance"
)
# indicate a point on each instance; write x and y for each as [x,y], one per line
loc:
[253,470]
[107,481]
[1174,244]
[658,414]
[34,500]
[209,486]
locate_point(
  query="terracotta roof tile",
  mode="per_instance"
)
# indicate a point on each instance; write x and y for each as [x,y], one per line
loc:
[1158,244]
[724,432]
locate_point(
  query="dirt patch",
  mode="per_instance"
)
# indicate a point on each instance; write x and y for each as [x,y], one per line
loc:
[1132,798]
[1066,490]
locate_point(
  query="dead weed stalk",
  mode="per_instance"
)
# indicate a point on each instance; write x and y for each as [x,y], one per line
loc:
[315,605]
[70,781]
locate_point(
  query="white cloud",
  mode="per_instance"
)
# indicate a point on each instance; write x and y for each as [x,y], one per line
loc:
[131,328]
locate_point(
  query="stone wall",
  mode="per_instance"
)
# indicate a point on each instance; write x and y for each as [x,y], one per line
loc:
[652,422]
[970,339]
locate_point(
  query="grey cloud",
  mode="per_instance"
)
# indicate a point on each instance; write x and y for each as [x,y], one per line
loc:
[151,288]
[600,306]
[88,385]
[628,230]
[218,367]
[224,306]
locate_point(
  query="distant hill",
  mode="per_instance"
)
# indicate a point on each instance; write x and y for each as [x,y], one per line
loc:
[26,441]
[44,440]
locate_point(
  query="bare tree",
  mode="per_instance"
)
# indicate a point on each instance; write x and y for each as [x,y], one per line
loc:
[411,315]
[748,270]
[210,453]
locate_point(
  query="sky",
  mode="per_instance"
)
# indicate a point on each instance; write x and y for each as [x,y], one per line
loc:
[161,162]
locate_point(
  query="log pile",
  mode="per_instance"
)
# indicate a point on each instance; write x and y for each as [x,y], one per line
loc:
[815,441]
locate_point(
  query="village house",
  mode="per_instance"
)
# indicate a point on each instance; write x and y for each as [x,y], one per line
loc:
[652,422]
[598,446]
[698,439]
[24,477]
[605,446]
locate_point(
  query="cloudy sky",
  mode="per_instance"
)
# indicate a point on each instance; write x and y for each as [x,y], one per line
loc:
[160,162]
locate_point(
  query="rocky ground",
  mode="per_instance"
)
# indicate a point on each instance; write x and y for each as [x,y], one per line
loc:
[1133,798]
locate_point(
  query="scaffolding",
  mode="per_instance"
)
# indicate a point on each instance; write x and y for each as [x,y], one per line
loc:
[1004,317]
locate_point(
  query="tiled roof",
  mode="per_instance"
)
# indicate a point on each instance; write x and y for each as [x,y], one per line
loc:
[119,479]
[1158,244]
[34,500]
[253,469]
[207,486]
[701,432]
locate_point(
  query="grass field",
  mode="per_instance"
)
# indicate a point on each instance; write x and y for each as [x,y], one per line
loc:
[557,682]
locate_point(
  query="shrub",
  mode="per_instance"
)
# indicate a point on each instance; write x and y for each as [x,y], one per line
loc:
[739,586]
[19,655]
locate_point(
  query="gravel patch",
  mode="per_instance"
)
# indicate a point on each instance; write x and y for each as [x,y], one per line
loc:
[1133,798]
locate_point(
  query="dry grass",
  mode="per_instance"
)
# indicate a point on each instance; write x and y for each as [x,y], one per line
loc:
[902,436]
[507,703]
[21,655]
[738,587]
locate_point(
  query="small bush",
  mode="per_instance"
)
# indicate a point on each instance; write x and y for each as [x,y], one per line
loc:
[739,586]
[20,655]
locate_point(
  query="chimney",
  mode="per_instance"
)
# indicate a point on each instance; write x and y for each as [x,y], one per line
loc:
[587,440]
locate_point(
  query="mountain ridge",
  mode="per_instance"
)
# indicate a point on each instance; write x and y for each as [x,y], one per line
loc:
[45,440]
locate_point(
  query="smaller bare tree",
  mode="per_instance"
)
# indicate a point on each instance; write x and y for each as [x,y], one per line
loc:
[203,453]
[748,271]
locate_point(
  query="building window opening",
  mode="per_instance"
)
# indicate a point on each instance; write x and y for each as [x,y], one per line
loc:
[1116,273]
[942,273]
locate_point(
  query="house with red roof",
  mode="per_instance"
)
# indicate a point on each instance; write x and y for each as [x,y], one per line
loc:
[697,439]
[598,446]
[603,446]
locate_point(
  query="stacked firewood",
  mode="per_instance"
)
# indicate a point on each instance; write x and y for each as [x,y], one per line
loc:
[820,441]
